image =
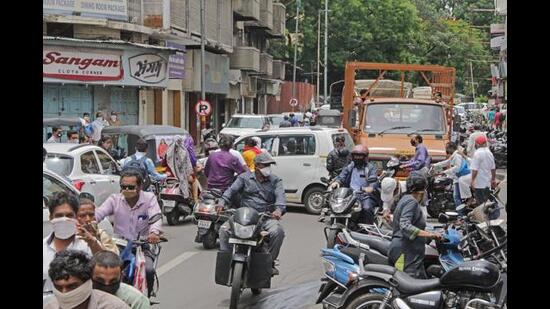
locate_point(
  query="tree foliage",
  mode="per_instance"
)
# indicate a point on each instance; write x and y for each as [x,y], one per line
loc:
[394,31]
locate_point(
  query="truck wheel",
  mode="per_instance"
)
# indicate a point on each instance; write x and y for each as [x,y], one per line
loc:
[236,285]
[313,200]
[173,217]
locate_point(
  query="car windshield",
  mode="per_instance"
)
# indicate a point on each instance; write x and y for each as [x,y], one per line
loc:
[275,120]
[404,118]
[245,122]
[60,164]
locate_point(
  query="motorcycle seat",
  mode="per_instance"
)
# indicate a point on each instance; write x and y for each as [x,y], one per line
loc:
[371,257]
[385,269]
[375,242]
[409,285]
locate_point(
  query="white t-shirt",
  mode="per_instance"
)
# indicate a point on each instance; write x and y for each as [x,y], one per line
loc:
[483,162]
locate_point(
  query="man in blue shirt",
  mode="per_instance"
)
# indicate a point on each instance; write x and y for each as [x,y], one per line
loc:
[360,176]
[421,158]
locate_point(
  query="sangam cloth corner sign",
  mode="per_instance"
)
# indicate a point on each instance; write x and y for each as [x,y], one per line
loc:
[80,65]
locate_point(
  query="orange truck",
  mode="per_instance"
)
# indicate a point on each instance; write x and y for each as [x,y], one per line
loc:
[392,111]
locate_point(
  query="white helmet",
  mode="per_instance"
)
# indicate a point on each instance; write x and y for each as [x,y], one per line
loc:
[388,187]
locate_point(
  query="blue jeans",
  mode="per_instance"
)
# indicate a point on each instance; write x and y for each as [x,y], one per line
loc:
[368,204]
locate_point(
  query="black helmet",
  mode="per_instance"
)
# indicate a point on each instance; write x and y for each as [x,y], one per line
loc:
[416,182]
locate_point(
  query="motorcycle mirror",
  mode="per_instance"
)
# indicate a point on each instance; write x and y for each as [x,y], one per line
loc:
[325,180]
[460,207]
[443,218]
[154,218]
[451,213]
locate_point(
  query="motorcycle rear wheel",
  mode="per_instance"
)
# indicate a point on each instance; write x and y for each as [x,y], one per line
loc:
[368,301]
[236,285]
[173,217]
[209,240]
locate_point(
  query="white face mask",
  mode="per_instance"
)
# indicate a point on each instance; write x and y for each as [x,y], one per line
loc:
[266,171]
[113,117]
[75,297]
[63,228]
[73,141]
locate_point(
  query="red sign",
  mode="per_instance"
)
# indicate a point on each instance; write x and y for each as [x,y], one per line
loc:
[203,108]
[84,66]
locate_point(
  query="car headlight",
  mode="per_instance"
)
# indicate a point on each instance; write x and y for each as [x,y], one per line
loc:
[243,231]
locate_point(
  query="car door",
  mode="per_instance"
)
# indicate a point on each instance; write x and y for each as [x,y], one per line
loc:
[297,163]
[109,169]
[94,182]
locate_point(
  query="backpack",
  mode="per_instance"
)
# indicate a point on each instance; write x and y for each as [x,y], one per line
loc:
[140,166]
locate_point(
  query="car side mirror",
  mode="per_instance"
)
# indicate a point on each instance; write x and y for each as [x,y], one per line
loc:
[352,118]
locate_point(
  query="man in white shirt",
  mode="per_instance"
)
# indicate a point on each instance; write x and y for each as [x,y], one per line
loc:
[483,170]
[471,149]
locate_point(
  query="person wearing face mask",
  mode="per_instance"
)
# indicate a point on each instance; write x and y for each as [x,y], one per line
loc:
[360,176]
[338,157]
[86,218]
[107,277]
[221,166]
[409,235]
[72,137]
[56,135]
[114,119]
[259,190]
[63,208]
[71,273]
[130,210]
[421,157]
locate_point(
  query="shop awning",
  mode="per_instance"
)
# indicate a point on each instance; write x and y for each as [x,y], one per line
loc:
[109,43]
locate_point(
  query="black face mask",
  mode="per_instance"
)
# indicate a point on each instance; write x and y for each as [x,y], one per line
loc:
[359,162]
[343,152]
[107,288]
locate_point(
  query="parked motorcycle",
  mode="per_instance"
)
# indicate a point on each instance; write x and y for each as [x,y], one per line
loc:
[249,264]
[473,283]
[440,194]
[174,204]
[208,220]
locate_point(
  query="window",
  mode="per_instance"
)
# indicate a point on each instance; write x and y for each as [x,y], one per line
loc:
[296,145]
[108,165]
[267,143]
[60,164]
[245,122]
[404,118]
[50,185]
[88,163]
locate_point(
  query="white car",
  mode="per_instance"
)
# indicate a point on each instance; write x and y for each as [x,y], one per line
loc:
[240,124]
[275,119]
[90,168]
[300,153]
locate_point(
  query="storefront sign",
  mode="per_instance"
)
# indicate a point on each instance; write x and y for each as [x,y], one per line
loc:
[148,68]
[82,66]
[110,9]
[176,62]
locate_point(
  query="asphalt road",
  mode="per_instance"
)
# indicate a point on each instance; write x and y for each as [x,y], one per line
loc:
[186,270]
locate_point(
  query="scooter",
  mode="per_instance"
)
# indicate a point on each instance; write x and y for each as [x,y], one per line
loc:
[208,220]
[174,204]
[249,264]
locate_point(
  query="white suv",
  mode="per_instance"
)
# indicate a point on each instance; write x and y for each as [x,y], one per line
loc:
[301,154]
[90,168]
[243,124]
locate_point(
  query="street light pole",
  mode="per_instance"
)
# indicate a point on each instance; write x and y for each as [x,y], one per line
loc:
[295,49]
[473,86]
[326,50]
[203,78]
[318,52]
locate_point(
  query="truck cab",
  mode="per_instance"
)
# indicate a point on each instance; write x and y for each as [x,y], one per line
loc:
[390,114]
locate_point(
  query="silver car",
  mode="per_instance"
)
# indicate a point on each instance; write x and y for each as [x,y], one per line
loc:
[90,168]
[51,183]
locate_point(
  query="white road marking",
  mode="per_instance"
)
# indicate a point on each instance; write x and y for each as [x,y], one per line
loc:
[175,262]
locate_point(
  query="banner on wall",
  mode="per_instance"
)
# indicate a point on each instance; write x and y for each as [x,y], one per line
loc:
[109,9]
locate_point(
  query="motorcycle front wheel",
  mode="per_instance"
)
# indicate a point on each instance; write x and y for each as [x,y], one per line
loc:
[236,285]
[368,301]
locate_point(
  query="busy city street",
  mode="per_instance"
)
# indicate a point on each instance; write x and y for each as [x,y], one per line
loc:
[275,154]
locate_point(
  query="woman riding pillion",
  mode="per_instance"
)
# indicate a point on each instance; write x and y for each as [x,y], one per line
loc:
[360,176]
[409,235]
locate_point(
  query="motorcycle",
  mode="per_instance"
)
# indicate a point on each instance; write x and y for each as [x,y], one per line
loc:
[440,194]
[249,264]
[471,283]
[174,204]
[131,253]
[208,220]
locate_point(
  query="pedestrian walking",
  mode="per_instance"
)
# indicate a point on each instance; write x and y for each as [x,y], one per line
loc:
[483,170]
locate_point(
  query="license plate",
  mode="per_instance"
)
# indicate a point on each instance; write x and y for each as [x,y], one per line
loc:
[167,203]
[242,242]
[205,224]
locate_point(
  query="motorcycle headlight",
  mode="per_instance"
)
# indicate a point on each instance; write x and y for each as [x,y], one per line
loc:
[205,208]
[339,205]
[243,231]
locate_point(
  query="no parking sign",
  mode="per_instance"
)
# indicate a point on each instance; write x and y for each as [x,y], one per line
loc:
[203,108]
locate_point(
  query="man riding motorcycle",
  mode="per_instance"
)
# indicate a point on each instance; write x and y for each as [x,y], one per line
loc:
[359,175]
[338,158]
[258,190]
